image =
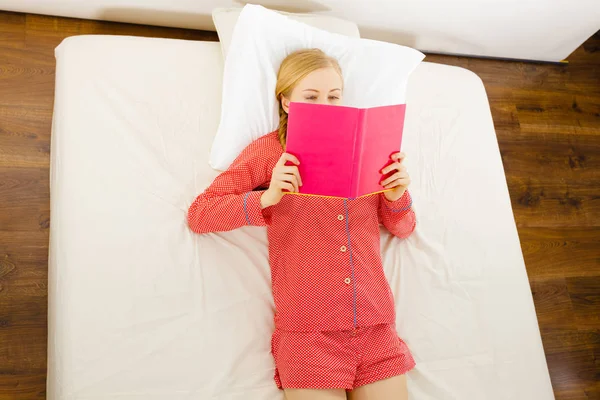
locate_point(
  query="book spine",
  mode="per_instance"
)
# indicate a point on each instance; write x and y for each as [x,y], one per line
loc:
[359,146]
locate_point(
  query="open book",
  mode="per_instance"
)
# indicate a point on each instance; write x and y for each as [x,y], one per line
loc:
[342,150]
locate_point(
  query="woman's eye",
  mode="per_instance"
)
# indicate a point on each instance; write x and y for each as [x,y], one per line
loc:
[311,98]
[333,98]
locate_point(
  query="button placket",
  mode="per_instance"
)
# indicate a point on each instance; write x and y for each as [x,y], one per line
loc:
[349,280]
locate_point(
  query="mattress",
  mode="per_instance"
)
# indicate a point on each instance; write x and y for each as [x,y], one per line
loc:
[142,308]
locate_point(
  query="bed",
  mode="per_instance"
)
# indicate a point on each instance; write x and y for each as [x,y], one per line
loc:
[142,308]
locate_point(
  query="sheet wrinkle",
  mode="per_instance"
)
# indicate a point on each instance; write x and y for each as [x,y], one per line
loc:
[169,203]
[141,138]
[433,252]
[438,389]
[200,295]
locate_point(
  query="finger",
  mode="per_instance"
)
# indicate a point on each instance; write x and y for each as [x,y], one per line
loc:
[390,179]
[398,156]
[294,181]
[394,184]
[397,175]
[285,157]
[402,182]
[291,178]
[292,170]
[395,166]
[286,186]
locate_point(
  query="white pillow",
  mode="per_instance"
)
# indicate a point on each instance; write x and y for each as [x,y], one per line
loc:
[226,18]
[375,73]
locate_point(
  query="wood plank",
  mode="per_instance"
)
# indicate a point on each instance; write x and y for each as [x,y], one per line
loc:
[544,111]
[32,82]
[20,155]
[23,305]
[551,156]
[12,32]
[572,364]
[564,203]
[46,32]
[25,386]
[500,73]
[508,124]
[584,66]
[574,340]
[585,299]
[26,126]
[573,373]
[25,137]
[23,311]
[552,305]
[15,60]
[23,297]
[24,193]
[23,308]
[506,119]
[593,391]
[542,108]
[553,179]
[570,353]
[27,247]
[561,252]
[22,281]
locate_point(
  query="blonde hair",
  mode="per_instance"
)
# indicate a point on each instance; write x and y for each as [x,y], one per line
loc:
[295,67]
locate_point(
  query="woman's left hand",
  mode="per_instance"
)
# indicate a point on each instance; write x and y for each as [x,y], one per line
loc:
[399,180]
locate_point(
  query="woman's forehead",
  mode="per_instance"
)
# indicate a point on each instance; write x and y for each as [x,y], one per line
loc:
[324,77]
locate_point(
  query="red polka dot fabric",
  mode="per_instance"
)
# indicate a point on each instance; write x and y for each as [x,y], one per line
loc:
[339,359]
[324,253]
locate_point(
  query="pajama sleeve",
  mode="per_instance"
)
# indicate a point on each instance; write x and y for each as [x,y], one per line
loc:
[397,216]
[232,200]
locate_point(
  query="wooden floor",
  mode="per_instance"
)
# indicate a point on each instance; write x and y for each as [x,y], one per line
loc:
[547,119]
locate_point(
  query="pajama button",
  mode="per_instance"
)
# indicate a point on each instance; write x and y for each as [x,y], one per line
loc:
[343,248]
[340,217]
[347,281]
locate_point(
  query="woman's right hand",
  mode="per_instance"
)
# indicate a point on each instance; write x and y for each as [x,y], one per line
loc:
[285,177]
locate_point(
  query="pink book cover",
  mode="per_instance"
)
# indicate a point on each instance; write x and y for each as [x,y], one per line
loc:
[343,149]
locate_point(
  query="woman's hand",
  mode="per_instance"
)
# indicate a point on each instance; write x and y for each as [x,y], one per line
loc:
[399,180]
[285,177]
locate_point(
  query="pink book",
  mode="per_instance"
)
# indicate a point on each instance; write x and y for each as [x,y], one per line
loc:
[343,149]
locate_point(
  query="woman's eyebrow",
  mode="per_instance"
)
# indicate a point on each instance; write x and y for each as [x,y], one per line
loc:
[333,90]
[310,90]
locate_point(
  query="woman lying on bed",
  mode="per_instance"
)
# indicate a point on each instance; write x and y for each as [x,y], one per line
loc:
[335,334]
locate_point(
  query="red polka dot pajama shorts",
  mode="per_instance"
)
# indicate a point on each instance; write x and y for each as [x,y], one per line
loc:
[338,359]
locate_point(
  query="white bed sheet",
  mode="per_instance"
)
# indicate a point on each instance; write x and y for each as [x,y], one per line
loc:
[142,308]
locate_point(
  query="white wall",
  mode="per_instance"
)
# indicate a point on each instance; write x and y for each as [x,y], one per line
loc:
[546,30]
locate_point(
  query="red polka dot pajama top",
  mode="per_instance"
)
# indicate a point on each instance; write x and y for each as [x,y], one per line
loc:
[324,253]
